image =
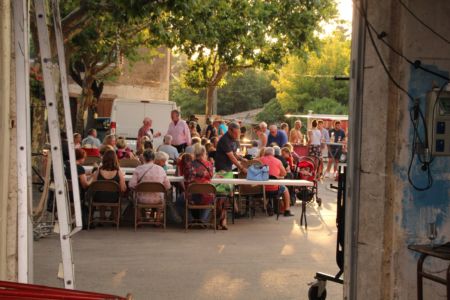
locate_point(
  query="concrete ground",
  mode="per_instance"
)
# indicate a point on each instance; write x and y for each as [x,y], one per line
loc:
[255,259]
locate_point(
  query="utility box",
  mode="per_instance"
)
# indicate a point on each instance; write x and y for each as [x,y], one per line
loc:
[438,122]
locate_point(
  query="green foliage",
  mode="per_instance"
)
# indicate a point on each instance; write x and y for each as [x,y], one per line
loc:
[221,36]
[327,106]
[247,90]
[108,36]
[189,101]
[307,82]
[272,112]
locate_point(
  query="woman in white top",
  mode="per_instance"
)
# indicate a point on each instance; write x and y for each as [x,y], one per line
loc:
[315,137]
[262,137]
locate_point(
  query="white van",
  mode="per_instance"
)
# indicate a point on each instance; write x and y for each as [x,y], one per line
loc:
[129,114]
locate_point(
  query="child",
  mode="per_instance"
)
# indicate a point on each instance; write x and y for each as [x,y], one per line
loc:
[253,151]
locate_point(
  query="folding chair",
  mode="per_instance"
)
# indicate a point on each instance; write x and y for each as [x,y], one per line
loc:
[250,192]
[103,186]
[129,163]
[149,187]
[203,189]
[91,160]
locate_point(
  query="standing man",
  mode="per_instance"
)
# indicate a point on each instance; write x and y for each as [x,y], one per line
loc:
[295,135]
[337,135]
[276,136]
[325,136]
[179,130]
[226,155]
[146,130]
[91,139]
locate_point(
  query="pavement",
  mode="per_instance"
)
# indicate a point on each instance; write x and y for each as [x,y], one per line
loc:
[259,258]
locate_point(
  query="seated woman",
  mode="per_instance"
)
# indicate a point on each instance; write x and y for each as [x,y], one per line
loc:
[200,171]
[77,140]
[123,151]
[161,159]
[150,172]
[83,182]
[193,129]
[109,170]
[110,139]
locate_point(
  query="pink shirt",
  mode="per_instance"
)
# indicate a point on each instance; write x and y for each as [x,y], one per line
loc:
[149,173]
[275,167]
[180,133]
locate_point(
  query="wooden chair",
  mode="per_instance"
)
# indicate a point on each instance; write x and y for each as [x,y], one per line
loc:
[251,192]
[129,163]
[274,199]
[204,189]
[149,187]
[103,186]
[91,160]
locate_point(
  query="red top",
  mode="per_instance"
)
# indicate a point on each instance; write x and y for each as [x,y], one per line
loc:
[275,167]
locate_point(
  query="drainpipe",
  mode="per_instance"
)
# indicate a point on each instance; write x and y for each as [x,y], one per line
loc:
[5,92]
[354,165]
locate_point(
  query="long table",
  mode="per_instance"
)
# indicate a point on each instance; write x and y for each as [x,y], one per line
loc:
[172,179]
[243,181]
[128,170]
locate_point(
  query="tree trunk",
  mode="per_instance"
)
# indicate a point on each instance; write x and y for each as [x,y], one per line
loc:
[39,123]
[83,104]
[210,100]
[212,86]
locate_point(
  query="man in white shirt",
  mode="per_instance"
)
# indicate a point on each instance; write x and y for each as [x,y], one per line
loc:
[91,139]
[179,130]
[168,148]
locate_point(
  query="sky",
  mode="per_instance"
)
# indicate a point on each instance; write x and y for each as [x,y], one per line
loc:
[345,12]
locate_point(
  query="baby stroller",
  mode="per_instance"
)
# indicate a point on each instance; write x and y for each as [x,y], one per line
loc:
[307,168]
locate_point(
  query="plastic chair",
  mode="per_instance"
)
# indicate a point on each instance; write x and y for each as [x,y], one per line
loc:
[203,189]
[129,163]
[103,186]
[149,187]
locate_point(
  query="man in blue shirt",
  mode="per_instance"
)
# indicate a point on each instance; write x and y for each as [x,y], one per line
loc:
[276,136]
[337,137]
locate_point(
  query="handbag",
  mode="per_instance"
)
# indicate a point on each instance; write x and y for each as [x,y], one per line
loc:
[258,173]
[222,188]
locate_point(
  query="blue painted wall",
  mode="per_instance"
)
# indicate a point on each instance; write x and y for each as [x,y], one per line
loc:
[422,207]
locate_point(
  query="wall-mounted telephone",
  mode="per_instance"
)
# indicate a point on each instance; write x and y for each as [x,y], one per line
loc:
[438,122]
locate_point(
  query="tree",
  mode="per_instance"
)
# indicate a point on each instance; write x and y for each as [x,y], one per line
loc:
[272,112]
[97,35]
[327,106]
[228,36]
[189,101]
[304,80]
[246,90]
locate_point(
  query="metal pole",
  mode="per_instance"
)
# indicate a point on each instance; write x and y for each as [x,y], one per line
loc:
[354,163]
[5,88]
[24,221]
[67,115]
[55,141]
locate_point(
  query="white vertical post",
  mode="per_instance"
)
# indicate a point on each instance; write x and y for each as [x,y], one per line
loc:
[24,222]
[67,114]
[55,141]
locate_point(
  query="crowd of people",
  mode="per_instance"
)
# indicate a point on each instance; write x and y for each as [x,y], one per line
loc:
[198,155]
